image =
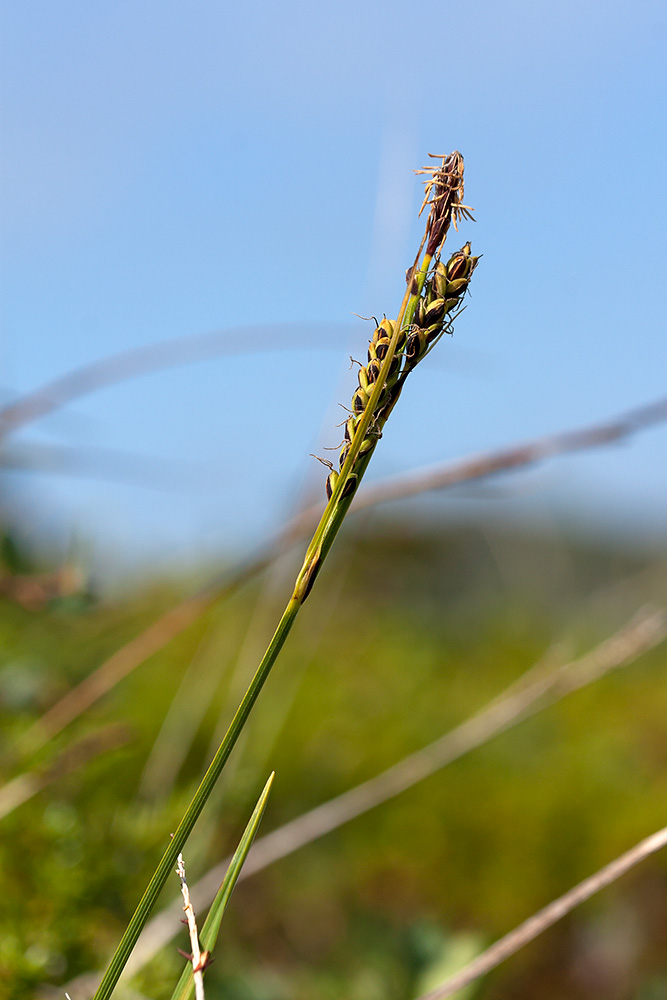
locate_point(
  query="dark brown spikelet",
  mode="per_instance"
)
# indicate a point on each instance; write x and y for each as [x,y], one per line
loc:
[444,193]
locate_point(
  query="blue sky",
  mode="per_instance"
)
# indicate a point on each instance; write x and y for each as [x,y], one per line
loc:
[173,169]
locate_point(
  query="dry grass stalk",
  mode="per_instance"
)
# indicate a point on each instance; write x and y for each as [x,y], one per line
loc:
[144,645]
[547,917]
[173,622]
[516,456]
[134,363]
[536,690]
[115,668]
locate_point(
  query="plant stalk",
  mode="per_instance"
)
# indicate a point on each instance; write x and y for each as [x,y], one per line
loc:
[168,861]
[445,207]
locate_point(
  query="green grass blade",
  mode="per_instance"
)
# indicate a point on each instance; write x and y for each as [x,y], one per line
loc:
[170,856]
[209,933]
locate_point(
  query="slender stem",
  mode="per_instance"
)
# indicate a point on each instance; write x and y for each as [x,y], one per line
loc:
[317,550]
[320,545]
[178,840]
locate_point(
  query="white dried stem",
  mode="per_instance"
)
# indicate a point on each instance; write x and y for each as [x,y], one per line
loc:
[200,958]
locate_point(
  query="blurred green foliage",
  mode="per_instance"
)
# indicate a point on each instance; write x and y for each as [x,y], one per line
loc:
[407,633]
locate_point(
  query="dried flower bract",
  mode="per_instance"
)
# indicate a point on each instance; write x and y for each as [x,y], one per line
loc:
[444,193]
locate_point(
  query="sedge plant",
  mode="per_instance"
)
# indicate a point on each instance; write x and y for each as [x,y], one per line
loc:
[432,300]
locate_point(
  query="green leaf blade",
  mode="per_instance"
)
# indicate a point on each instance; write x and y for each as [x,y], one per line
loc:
[185,987]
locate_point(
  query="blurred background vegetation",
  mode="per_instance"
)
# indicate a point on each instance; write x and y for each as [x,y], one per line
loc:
[414,625]
[171,169]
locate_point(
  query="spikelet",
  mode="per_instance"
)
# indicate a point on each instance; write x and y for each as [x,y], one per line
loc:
[443,293]
[435,295]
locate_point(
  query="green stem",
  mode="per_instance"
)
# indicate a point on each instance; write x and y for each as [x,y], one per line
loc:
[168,861]
[337,508]
[323,538]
